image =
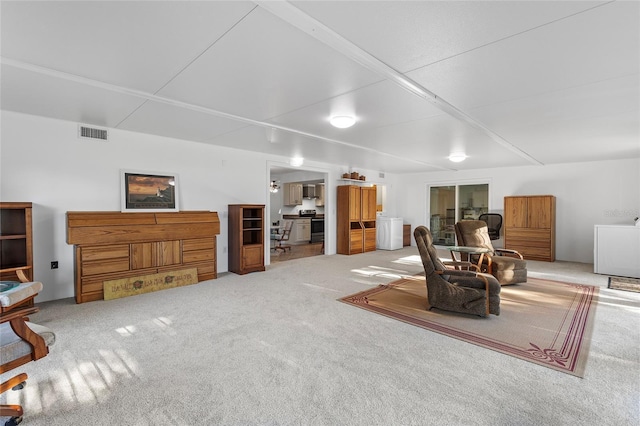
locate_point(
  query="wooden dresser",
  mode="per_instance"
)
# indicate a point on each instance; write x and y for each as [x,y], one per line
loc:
[114,245]
[530,226]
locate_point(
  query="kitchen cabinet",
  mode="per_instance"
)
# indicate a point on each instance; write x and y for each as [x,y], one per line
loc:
[479,199]
[301,230]
[115,245]
[292,194]
[530,226]
[320,195]
[246,238]
[356,219]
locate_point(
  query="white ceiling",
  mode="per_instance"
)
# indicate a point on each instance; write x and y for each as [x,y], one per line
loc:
[509,83]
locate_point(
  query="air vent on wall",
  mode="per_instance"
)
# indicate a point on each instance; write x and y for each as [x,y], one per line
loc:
[92,133]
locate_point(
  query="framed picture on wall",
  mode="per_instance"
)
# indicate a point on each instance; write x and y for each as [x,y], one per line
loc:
[149,191]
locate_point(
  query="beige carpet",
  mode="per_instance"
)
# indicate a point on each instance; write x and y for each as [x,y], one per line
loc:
[545,322]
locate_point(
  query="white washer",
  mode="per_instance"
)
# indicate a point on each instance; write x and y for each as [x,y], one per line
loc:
[389,233]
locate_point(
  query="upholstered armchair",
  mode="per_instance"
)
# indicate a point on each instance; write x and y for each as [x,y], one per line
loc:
[508,266]
[455,290]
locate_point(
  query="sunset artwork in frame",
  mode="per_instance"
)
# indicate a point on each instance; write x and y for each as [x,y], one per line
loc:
[149,191]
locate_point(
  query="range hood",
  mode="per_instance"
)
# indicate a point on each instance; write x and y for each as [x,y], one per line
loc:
[308,191]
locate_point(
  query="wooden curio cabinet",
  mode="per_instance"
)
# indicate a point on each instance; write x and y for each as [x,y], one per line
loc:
[16,241]
[246,238]
[356,219]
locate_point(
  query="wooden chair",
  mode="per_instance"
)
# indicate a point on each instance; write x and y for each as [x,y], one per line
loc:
[22,299]
[508,266]
[20,341]
[284,236]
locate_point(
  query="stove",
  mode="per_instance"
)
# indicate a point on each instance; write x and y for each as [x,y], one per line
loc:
[306,213]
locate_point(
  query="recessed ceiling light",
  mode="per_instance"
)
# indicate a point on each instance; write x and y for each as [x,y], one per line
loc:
[296,161]
[342,121]
[457,157]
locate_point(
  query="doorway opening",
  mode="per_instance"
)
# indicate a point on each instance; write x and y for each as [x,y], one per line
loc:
[300,199]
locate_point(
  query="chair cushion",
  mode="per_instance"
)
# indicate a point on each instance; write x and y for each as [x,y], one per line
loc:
[503,263]
[13,347]
[20,293]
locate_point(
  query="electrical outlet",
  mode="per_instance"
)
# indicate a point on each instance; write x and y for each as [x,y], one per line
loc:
[54,264]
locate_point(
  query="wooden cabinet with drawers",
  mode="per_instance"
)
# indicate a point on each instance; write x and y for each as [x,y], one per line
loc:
[356,219]
[114,245]
[530,226]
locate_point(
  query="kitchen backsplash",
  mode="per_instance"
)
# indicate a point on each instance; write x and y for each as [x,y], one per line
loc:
[306,205]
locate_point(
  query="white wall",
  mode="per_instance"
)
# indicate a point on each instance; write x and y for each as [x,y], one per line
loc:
[44,162]
[603,192]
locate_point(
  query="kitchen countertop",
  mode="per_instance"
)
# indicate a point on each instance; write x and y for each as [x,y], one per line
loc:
[295,216]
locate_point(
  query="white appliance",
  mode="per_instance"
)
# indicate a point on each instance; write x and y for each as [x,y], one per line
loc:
[389,233]
[616,250]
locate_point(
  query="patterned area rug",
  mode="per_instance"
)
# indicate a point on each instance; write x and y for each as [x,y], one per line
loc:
[545,322]
[622,283]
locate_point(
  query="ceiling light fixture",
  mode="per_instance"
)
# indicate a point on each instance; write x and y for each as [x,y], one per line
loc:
[273,187]
[296,161]
[457,157]
[342,121]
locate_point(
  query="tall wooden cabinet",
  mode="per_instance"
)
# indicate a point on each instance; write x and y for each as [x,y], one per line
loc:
[114,245]
[530,226]
[16,243]
[246,238]
[356,219]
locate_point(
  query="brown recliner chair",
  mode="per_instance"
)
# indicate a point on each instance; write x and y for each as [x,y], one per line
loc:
[508,266]
[455,290]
